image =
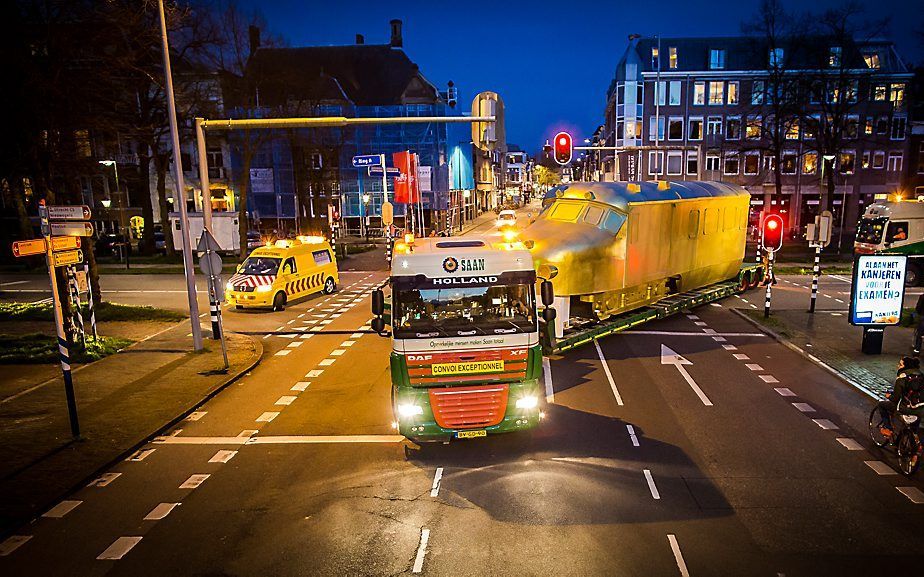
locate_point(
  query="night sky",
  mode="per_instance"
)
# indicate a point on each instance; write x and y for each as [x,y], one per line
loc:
[551,62]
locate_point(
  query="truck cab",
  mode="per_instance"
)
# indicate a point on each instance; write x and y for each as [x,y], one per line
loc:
[466,358]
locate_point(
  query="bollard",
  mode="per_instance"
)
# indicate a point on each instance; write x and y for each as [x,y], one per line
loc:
[75,305]
[213,313]
[90,307]
[815,272]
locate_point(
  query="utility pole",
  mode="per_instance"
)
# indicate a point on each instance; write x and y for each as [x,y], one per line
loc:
[181,189]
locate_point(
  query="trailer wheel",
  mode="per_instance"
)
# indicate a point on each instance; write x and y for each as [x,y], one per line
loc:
[755,278]
[279,302]
[913,274]
[744,282]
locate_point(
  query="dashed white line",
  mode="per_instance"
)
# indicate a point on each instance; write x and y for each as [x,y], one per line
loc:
[609,375]
[913,493]
[849,444]
[356,335]
[651,485]
[104,479]
[421,551]
[13,543]
[632,435]
[119,548]
[825,424]
[283,352]
[267,417]
[327,362]
[285,400]
[140,455]
[742,357]
[719,339]
[194,481]
[294,345]
[160,511]
[784,392]
[437,478]
[300,386]
[754,367]
[337,352]
[678,556]
[195,416]
[804,407]
[347,343]
[314,373]
[700,324]
[768,378]
[222,456]
[730,347]
[61,509]
[880,468]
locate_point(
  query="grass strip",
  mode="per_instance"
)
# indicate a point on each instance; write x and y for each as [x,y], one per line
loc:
[36,348]
[105,311]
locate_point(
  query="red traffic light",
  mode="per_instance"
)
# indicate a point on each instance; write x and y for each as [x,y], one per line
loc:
[772,234]
[563,148]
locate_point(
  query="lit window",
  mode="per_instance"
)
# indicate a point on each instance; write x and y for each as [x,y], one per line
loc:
[655,60]
[864,164]
[809,162]
[752,163]
[752,130]
[847,162]
[895,161]
[732,160]
[792,129]
[714,125]
[872,59]
[672,57]
[897,94]
[834,57]
[852,126]
[788,162]
[868,127]
[699,93]
[810,128]
[696,129]
[733,93]
[716,59]
[716,93]
[879,92]
[776,57]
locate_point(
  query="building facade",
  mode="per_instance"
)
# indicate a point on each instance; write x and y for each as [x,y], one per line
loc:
[731,109]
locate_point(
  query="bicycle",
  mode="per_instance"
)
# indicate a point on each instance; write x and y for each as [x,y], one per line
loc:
[906,438]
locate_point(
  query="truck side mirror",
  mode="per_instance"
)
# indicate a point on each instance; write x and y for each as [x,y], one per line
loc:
[378,303]
[547,293]
[548,314]
[378,325]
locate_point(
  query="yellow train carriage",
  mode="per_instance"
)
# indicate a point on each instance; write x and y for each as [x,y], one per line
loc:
[619,246]
[276,274]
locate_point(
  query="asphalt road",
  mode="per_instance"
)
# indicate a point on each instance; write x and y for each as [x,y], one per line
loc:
[748,461]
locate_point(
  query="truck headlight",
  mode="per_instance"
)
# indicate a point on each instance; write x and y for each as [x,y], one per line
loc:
[527,402]
[264,288]
[409,410]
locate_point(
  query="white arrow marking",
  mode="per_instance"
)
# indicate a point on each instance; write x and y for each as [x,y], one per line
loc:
[669,357]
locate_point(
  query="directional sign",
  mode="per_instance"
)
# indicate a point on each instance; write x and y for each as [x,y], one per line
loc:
[29,247]
[71,229]
[69,212]
[68,257]
[207,243]
[367,160]
[65,242]
[390,171]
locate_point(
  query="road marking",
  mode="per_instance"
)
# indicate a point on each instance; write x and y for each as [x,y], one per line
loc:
[678,556]
[752,306]
[880,468]
[754,367]
[437,477]
[632,435]
[13,543]
[119,548]
[285,400]
[767,378]
[784,392]
[730,347]
[804,407]
[547,374]
[283,352]
[280,440]
[356,335]
[719,339]
[651,484]
[337,353]
[327,362]
[300,386]
[913,493]
[314,373]
[11,283]
[160,511]
[290,322]
[744,300]
[715,305]
[826,296]
[741,357]
[301,316]
[194,481]
[700,324]
[693,317]
[670,357]
[609,375]
[691,334]
[267,417]
[61,509]
[825,424]
[305,337]
[850,444]
[104,479]
[347,343]
[248,432]
[294,345]
[839,300]
[839,277]
[222,456]
[140,455]
[421,550]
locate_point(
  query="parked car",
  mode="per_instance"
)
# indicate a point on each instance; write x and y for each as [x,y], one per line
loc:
[254,240]
[506,219]
[111,244]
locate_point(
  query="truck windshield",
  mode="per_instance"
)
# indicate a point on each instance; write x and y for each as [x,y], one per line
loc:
[260,265]
[870,230]
[464,311]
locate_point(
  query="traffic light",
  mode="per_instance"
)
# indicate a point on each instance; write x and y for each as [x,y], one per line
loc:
[772,233]
[563,148]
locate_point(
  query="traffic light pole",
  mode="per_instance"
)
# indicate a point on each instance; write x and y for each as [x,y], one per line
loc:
[816,269]
[769,283]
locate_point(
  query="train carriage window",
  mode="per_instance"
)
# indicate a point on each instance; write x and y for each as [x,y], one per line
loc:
[693,223]
[711,221]
[613,221]
[593,215]
[567,211]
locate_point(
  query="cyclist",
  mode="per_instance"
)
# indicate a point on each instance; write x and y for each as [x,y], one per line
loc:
[908,387]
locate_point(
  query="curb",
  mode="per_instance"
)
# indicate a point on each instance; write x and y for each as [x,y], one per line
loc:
[788,344]
[258,346]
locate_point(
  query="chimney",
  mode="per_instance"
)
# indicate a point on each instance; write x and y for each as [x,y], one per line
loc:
[360,39]
[396,40]
[254,33]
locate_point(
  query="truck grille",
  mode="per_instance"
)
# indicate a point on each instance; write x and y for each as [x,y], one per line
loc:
[469,407]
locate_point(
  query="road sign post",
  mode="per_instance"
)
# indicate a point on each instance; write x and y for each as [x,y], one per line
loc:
[63,350]
[819,236]
[210,264]
[91,309]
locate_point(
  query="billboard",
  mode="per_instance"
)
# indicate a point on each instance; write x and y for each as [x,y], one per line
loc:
[878,289]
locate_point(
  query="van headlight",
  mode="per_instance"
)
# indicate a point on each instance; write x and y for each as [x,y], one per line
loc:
[229,286]
[527,402]
[409,410]
[264,288]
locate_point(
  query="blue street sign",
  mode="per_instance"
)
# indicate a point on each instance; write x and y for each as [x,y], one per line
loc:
[390,171]
[367,160]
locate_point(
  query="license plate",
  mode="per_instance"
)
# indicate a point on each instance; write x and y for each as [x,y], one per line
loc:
[471,434]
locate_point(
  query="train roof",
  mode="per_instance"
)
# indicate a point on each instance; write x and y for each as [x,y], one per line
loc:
[620,194]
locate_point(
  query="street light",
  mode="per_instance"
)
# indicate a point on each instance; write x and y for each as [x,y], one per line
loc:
[122,224]
[364,214]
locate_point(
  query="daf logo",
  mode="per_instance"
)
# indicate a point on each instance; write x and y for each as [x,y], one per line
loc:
[450,264]
[419,357]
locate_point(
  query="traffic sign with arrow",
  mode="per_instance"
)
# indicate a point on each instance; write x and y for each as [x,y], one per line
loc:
[68,257]
[29,247]
[81,212]
[362,160]
[71,228]
[389,171]
[670,357]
